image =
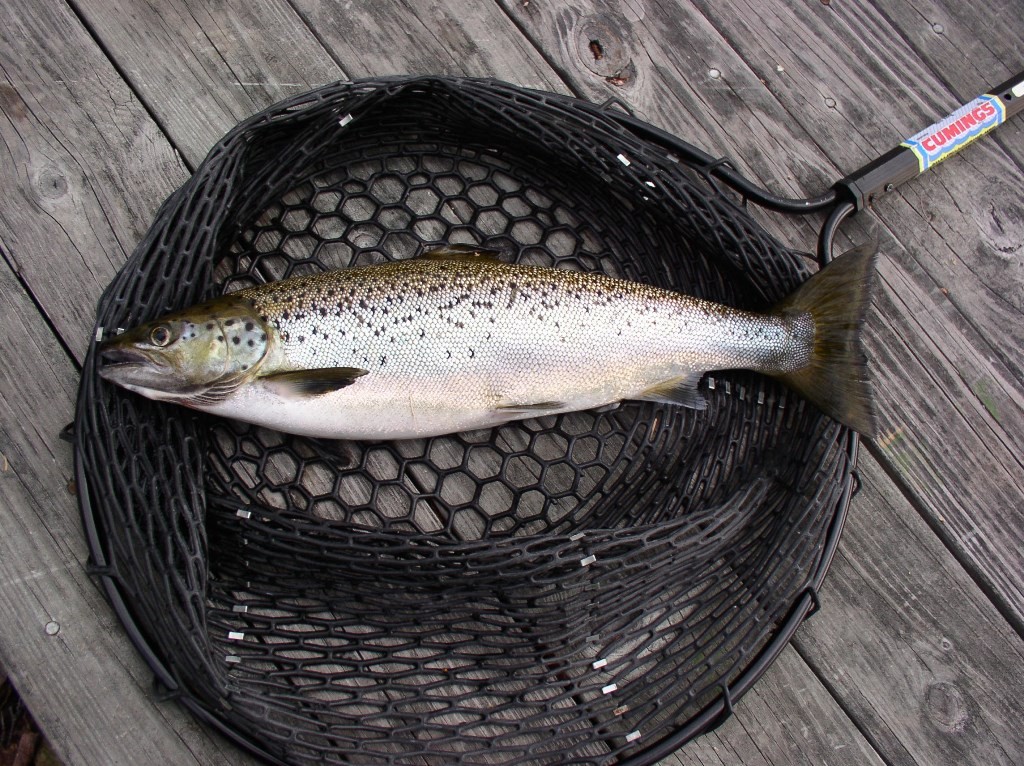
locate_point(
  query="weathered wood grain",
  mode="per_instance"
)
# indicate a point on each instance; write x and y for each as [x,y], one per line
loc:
[910,645]
[63,648]
[372,38]
[787,719]
[962,222]
[82,165]
[202,67]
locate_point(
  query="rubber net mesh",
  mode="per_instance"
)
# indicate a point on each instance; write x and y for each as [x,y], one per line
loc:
[570,589]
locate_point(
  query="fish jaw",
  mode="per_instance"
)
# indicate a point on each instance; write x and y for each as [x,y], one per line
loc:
[136,370]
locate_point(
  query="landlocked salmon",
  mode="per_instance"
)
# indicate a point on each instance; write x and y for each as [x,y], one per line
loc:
[456,340]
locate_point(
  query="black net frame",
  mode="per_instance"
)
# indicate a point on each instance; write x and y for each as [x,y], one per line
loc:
[588,588]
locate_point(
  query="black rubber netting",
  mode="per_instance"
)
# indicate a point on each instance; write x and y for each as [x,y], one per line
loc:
[586,588]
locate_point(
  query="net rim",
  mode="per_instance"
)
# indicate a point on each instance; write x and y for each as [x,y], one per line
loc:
[708,719]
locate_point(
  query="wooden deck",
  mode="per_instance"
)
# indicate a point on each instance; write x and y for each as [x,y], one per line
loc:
[917,655]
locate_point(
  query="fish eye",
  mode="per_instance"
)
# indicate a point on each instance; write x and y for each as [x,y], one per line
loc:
[160,335]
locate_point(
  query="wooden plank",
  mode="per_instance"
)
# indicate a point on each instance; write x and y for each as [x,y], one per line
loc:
[202,67]
[82,165]
[450,37]
[910,645]
[85,684]
[789,717]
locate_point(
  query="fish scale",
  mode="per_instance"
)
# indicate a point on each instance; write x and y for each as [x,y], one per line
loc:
[474,327]
[457,340]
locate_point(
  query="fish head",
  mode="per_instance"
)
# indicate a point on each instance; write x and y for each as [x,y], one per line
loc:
[194,357]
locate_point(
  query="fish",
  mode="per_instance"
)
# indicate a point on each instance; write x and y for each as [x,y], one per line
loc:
[456,340]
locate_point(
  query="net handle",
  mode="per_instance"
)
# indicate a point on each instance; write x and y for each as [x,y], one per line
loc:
[940,140]
[861,188]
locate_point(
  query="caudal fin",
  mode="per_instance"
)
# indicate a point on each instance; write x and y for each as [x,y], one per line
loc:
[838,298]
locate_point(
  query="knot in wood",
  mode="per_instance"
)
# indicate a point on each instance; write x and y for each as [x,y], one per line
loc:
[601,46]
[946,707]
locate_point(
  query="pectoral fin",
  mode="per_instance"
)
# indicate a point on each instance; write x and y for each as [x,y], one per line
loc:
[307,383]
[458,252]
[681,390]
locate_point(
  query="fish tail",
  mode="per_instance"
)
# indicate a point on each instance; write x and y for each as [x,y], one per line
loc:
[836,378]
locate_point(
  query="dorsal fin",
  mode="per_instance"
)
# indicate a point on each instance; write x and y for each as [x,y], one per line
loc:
[460,252]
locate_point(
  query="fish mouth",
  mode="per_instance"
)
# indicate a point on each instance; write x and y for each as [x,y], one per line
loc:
[126,366]
[113,360]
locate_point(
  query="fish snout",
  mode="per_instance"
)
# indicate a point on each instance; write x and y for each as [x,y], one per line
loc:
[118,362]
[120,355]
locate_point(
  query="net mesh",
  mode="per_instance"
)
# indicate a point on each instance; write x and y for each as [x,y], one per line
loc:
[570,589]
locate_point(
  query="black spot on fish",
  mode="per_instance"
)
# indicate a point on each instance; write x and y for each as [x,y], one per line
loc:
[229,323]
[245,367]
[209,325]
[302,339]
[236,340]
[251,343]
[263,336]
[220,338]
[249,327]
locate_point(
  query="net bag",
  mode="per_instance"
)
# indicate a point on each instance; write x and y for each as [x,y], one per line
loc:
[587,588]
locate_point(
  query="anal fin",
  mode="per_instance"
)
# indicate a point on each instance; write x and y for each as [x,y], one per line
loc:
[680,390]
[308,383]
[530,410]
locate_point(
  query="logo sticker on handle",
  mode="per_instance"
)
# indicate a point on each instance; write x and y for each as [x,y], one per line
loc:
[951,134]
